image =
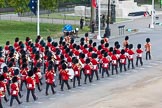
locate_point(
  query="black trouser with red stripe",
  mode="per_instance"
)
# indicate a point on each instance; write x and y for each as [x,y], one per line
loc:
[116,68]
[78,78]
[105,70]
[139,58]
[96,72]
[148,53]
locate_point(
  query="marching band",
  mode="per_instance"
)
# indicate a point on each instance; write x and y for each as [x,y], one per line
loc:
[30,62]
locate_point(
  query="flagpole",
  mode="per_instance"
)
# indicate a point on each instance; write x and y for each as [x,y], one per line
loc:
[99,20]
[38,21]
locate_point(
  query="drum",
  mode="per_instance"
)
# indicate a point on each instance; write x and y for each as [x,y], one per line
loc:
[1,67]
[71,73]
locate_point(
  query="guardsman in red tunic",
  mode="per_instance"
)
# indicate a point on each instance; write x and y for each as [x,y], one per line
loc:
[148,48]
[6,79]
[94,47]
[3,88]
[76,67]
[14,91]
[24,73]
[82,62]
[94,66]
[30,86]
[16,44]
[125,41]
[36,77]
[130,57]
[49,75]
[87,71]
[139,52]
[16,74]
[2,60]
[123,58]
[105,65]
[64,77]
[114,60]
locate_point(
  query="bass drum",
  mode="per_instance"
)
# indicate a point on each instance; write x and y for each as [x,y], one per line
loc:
[1,67]
[71,73]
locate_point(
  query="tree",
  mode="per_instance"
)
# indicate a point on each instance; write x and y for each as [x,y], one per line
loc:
[20,6]
[2,3]
[49,4]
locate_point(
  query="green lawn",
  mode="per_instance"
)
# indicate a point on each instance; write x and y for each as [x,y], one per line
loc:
[11,29]
[60,16]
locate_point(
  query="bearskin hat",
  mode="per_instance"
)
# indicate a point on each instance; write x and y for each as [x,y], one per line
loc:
[72,41]
[7,42]
[122,51]
[35,69]
[5,69]
[1,48]
[85,46]
[16,72]
[81,55]
[24,65]
[62,56]
[94,44]
[102,42]
[67,50]
[126,38]
[2,78]
[114,51]
[127,46]
[86,34]
[70,53]
[94,55]
[27,39]
[130,46]
[105,54]
[90,41]
[82,43]
[16,39]
[147,40]
[64,66]
[116,43]
[139,46]
[118,46]
[14,79]
[106,45]
[49,39]
[99,47]
[74,45]
[30,73]
[10,64]
[82,40]
[111,49]
[102,51]
[87,60]
[90,49]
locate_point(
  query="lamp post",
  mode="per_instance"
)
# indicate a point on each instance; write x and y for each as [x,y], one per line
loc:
[107,30]
[152,16]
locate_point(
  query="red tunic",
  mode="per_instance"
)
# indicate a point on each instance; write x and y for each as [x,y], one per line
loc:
[14,89]
[76,70]
[131,53]
[3,86]
[49,77]
[105,62]
[122,59]
[30,83]
[139,52]
[95,64]
[114,60]
[64,75]
[87,69]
